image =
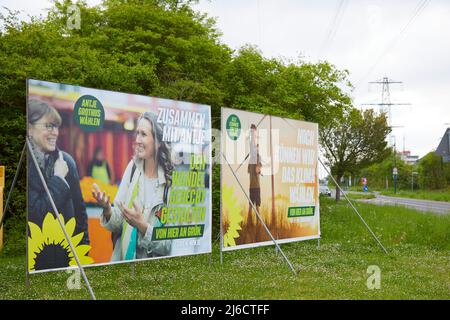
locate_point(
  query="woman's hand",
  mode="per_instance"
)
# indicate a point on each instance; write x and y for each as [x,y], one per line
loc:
[61,169]
[134,217]
[103,201]
[101,197]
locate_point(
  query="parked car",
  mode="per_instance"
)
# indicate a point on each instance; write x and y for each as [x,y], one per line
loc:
[324,190]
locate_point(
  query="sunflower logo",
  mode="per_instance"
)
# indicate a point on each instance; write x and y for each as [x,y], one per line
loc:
[48,248]
[234,217]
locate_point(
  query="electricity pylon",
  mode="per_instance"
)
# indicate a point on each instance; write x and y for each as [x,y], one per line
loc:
[386,104]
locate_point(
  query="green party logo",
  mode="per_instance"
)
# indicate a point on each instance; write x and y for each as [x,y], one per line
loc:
[88,113]
[233,127]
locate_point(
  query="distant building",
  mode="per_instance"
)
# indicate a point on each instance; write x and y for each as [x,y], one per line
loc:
[408,158]
[444,146]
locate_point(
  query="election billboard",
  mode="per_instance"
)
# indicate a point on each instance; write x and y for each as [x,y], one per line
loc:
[129,174]
[269,165]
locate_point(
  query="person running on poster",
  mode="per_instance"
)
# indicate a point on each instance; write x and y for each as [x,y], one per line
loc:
[254,171]
[59,171]
[98,167]
[141,196]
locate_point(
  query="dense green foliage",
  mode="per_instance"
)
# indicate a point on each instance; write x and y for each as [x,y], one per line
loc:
[430,173]
[378,173]
[151,47]
[433,172]
[296,90]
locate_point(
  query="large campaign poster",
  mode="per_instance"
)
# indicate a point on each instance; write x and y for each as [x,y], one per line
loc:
[269,164]
[129,174]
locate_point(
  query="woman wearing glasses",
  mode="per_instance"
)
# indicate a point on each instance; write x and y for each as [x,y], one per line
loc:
[59,170]
[142,194]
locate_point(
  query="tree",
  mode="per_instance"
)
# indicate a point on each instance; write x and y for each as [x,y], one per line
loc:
[299,90]
[432,173]
[354,141]
[149,47]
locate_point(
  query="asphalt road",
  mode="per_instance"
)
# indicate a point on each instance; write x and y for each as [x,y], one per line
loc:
[438,207]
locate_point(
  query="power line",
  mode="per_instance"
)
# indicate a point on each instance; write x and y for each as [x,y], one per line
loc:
[417,11]
[334,26]
[258,5]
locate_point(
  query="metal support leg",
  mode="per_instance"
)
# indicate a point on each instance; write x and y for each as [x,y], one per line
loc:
[351,204]
[56,212]
[261,220]
[16,175]
[27,274]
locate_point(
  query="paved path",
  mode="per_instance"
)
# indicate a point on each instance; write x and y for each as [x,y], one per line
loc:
[439,207]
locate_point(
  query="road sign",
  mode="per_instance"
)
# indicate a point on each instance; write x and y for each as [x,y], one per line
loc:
[395,171]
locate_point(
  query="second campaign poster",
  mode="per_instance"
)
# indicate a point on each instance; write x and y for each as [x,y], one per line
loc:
[130,176]
[269,164]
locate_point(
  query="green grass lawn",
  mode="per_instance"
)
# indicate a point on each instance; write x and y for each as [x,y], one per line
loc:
[417,267]
[356,196]
[436,195]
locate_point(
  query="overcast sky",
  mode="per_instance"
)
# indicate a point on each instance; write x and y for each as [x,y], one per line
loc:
[405,40]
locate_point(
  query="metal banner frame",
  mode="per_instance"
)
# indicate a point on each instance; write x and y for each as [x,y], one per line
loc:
[351,204]
[260,219]
[56,214]
[208,202]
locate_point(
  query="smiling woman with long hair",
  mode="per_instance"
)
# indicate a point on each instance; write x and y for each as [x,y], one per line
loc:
[141,196]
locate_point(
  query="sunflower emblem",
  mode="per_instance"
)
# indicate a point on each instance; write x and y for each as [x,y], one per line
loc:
[234,217]
[48,248]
